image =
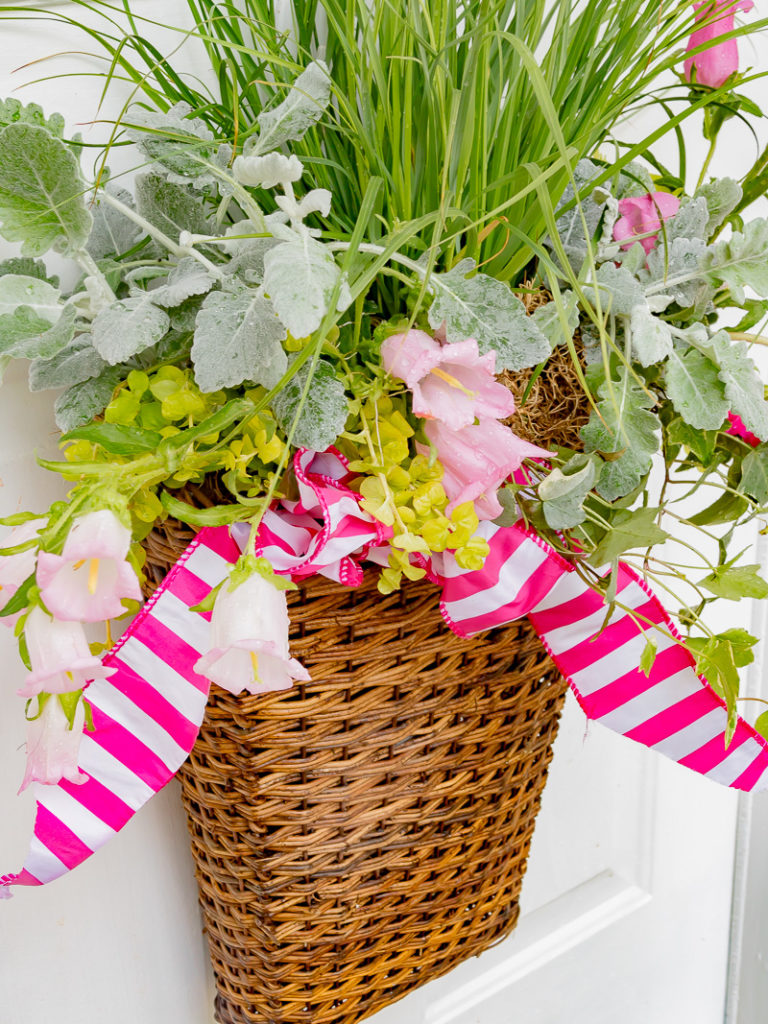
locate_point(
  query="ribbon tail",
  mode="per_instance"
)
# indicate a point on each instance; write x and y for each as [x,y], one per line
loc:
[672,710]
[146,718]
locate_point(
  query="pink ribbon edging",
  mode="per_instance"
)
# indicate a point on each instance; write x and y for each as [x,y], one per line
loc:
[148,714]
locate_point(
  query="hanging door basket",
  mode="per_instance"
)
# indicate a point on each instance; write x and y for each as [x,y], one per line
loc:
[362,834]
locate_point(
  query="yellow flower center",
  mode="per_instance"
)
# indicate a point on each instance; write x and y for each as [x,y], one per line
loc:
[93,575]
[450,379]
[255,663]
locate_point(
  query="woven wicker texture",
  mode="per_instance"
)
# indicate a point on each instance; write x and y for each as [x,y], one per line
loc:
[362,834]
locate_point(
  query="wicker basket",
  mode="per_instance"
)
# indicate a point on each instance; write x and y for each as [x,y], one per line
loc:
[362,834]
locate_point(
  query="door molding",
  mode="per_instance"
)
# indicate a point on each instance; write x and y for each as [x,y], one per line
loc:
[747,985]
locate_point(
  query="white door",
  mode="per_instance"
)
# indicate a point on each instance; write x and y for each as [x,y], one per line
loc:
[627,899]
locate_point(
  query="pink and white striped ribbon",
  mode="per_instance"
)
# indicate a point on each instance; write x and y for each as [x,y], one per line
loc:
[147,715]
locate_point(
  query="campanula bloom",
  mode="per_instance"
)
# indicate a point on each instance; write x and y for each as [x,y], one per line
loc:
[15,569]
[53,745]
[249,640]
[477,460]
[715,65]
[643,214]
[91,576]
[60,656]
[452,383]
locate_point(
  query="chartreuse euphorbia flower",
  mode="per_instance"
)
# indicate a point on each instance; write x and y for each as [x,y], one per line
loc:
[15,569]
[59,654]
[53,743]
[249,639]
[452,383]
[91,577]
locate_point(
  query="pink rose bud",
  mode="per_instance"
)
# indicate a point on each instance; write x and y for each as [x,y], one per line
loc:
[452,383]
[53,746]
[60,656]
[715,65]
[477,460]
[641,215]
[89,579]
[15,569]
[249,640]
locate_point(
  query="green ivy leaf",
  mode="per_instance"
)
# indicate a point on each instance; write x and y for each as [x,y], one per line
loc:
[726,509]
[719,658]
[736,581]
[625,428]
[238,337]
[648,657]
[761,725]
[42,194]
[562,493]
[700,442]
[630,530]
[695,389]
[755,310]
[486,309]
[754,475]
[325,411]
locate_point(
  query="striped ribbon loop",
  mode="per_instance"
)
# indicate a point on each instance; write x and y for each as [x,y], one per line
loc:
[147,715]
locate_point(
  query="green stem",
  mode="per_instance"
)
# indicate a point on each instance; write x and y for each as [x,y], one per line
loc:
[707,162]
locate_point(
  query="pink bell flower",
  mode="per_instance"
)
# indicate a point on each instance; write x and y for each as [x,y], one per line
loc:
[14,569]
[60,656]
[452,383]
[53,746]
[249,640]
[89,579]
[643,214]
[477,460]
[737,429]
[715,65]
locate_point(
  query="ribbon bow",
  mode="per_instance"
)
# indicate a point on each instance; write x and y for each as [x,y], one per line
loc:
[147,715]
